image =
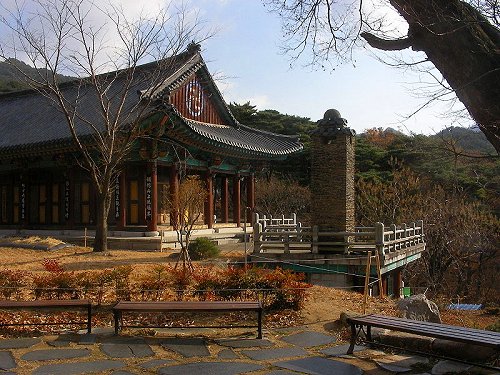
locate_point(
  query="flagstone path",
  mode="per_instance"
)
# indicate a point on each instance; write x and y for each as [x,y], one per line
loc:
[295,351]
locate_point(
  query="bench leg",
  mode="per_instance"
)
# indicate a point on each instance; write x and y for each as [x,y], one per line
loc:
[259,329]
[116,315]
[354,335]
[89,319]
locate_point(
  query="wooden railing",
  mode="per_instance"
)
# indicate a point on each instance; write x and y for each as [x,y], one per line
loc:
[278,222]
[289,238]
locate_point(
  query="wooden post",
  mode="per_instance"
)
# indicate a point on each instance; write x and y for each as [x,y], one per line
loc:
[257,230]
[152,196]
[174,197]
[393,236]
[315,239]
[379,276]
[287,242]
[397,282]
[367,279]
[236,200]
[225,199]
[405,235]
[379,238]
[122,219]
[250,180]
[69,199]
[209,201]
[385,290]
[420,223]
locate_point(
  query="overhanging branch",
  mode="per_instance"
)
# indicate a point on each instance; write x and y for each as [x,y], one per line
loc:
[387,44]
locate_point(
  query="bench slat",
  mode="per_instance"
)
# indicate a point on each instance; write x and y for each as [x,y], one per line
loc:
[425,326]
[45,303]
[466,335]
[187,306]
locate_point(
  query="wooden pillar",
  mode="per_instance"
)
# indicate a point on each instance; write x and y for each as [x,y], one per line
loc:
[384,285]
[23,202]
[174,196]
[225,199]
[69,198]
[209,201]
[122,199]
[152,196]
[250,180]
[397,279]
[236,199]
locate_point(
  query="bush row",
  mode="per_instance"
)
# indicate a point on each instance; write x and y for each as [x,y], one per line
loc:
[277,289]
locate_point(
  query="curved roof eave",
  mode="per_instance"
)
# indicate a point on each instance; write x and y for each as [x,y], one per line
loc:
[243,141]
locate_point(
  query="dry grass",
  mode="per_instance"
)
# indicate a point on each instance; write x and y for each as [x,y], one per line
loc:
[33,240]
[77,258]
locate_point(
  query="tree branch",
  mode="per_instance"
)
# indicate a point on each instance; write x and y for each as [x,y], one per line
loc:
[387,44]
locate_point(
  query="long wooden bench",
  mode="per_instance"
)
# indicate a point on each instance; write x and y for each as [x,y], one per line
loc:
[416,327]
[188,306]
[49,304]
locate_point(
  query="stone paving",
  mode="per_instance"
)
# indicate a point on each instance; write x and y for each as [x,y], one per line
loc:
[296,351]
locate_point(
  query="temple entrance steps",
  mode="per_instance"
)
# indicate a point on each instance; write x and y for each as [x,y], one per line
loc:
[219,235]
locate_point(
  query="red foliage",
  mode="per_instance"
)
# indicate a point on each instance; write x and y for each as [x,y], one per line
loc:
[52,265]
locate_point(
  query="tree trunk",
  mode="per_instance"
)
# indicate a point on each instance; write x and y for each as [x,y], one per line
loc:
[465,48]
[101,233]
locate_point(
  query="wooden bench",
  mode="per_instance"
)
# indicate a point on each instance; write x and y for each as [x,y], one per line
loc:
[188,306]
[416,327]
[49,304]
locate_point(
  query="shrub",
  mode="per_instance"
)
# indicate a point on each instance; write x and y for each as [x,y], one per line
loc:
[153,284]
[495,327]
[203,248]
[121,279]
[286,290]
[11,282]
[94,284]
[56,283]
[278,289]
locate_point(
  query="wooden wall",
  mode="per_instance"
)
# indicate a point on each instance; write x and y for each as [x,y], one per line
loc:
[194,102]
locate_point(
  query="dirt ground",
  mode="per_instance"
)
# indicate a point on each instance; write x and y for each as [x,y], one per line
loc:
[324,305]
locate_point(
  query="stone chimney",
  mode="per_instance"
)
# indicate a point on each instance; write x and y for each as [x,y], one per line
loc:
[332,174]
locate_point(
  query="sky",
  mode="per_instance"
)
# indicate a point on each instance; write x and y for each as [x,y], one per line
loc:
[366,92]
[246,52]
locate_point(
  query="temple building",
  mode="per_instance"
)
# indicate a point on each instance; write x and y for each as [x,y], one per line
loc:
[42,185]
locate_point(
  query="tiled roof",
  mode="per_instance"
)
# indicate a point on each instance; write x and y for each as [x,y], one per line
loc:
[257,142]
[30,122]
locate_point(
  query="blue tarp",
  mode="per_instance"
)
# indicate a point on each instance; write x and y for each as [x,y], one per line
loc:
[464,306]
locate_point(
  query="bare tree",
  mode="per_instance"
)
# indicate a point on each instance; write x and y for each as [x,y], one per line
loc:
[111,103]
[460,38]
[461,256]
[188,206]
